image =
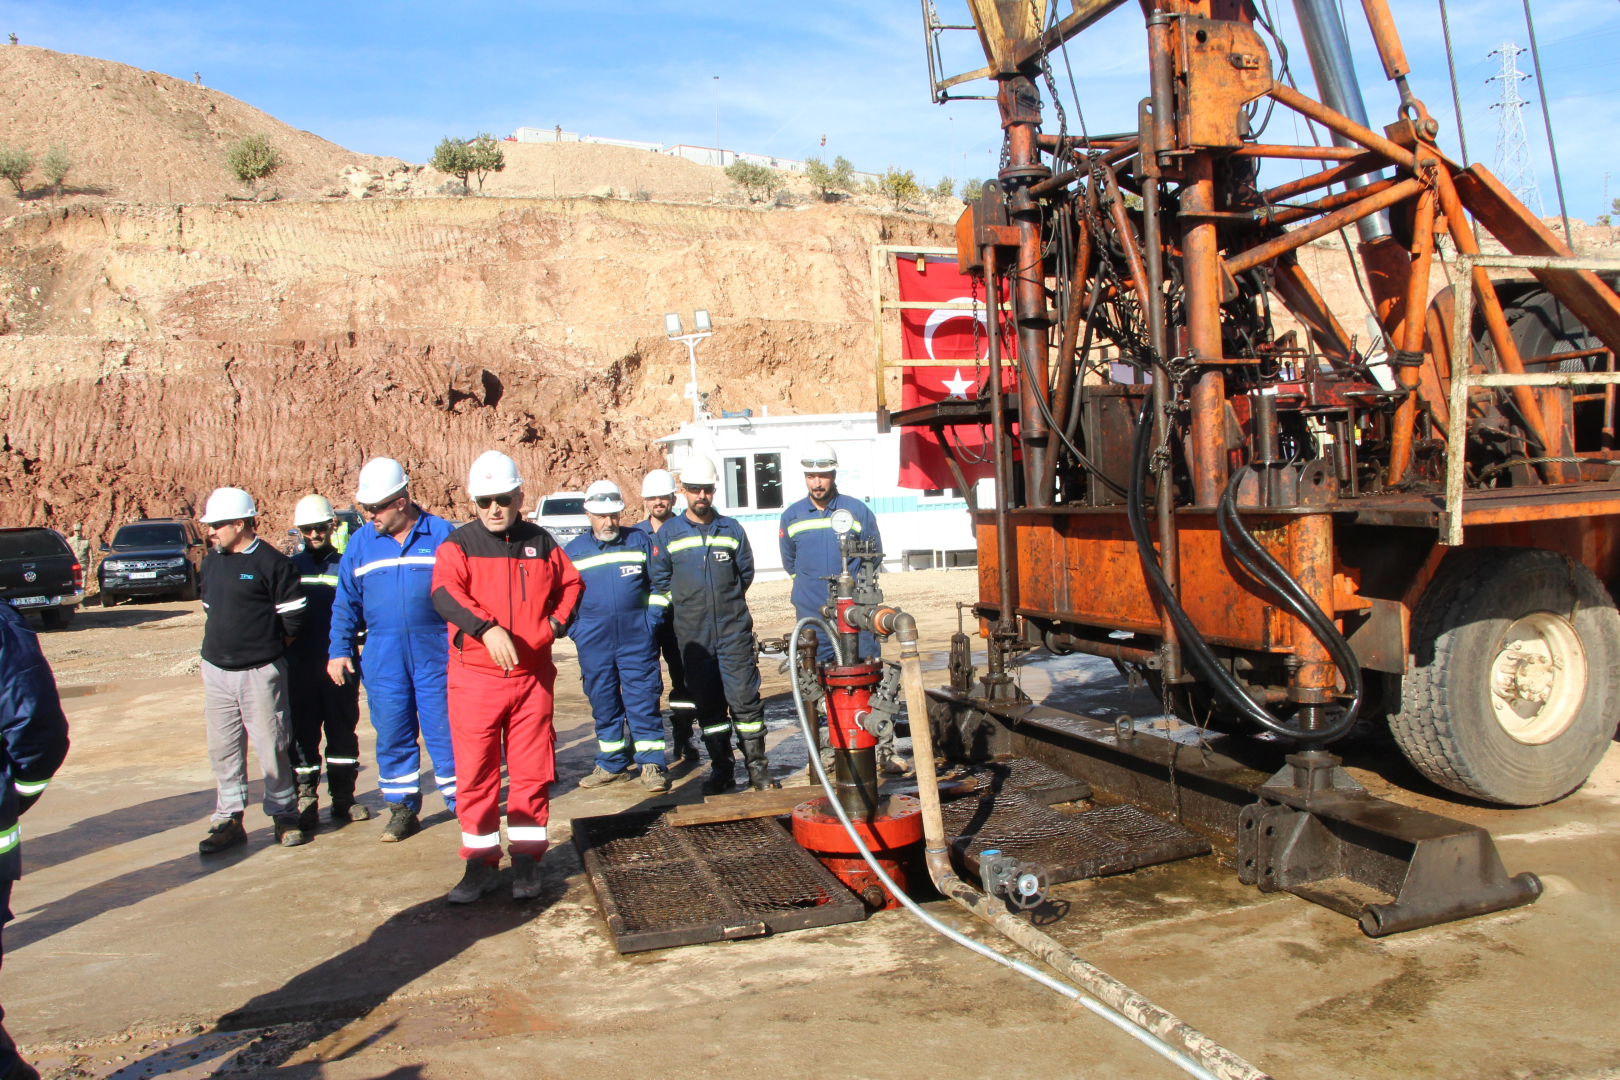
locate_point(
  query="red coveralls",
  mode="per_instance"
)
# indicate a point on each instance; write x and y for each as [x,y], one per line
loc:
[519,580]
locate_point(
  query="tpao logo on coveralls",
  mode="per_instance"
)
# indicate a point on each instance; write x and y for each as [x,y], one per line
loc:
[245,577]
[629,571]
[722,555]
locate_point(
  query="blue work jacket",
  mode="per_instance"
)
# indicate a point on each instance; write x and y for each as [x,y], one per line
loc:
[619,606]
[386,587]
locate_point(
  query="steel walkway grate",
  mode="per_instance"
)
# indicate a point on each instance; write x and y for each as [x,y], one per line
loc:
[1108,840]
[659,886]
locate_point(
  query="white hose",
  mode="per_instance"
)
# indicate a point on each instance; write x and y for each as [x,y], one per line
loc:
[1147,1038]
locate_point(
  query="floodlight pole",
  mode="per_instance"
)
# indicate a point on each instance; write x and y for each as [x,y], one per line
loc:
[690,341]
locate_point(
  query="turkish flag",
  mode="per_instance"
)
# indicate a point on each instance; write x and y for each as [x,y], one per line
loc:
[951,334]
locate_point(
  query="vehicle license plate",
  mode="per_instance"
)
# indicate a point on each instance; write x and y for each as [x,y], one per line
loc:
[33,601]
[138,574]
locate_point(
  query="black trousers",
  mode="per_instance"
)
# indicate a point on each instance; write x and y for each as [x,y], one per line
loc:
[682,710]
[318,707]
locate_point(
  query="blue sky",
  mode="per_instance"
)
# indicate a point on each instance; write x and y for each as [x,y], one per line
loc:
[394,78]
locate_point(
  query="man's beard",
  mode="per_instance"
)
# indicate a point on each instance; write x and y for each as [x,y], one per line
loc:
[607,533]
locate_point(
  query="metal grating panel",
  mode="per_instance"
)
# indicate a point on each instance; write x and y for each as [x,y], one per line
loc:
[1108,840]
[1040,782]
[659,886]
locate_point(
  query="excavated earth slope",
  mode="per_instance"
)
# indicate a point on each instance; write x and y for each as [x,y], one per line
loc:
[151,353]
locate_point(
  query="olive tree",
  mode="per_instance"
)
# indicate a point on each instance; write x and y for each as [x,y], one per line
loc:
[15,165]
[754,178]
[253,160]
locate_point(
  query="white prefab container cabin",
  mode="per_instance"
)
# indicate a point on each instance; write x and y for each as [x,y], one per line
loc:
[757,459]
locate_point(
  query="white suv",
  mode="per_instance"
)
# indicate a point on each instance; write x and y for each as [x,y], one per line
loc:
[562,514]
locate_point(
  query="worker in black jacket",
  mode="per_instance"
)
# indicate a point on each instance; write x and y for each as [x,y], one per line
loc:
[255,608]
[33,742]
[316,703]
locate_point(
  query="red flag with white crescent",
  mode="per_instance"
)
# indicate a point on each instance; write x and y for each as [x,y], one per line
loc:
[949,334]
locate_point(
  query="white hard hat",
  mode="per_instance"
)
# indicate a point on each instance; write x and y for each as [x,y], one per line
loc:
[819,458]
[493,474]
[380,480]
[658,482]
[228,504]
[312,510]
[699,469]
[603,497]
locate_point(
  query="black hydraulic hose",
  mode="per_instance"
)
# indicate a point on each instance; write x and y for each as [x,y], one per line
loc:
[1081,357]
[1259,564]
[1194,647]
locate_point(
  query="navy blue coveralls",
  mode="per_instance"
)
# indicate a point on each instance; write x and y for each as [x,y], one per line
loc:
[681,709]
[33,742]
[705,571]
[616,631]
[387,587]
[810,553]
[315,702]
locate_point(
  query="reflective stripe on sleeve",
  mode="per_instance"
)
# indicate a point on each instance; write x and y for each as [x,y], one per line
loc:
[382,564]
[319,579]
[610,558]
[657,600]
[8,840]
[526,832]
[33,788]
[487,840]
[291,605]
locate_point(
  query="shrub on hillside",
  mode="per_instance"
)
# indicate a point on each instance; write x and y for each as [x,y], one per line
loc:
[839,178]
[972,188]
[484,156]
[945,189]
[56,167]
[758,181]
[15,165]
[453,157]
[252,161]
[899,187]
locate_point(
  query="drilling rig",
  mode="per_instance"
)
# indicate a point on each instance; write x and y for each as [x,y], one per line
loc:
[1280,543]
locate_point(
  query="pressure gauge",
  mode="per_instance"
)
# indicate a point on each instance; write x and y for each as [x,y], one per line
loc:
[842,521]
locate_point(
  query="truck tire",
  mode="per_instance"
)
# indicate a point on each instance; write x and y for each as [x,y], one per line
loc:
[1512,687]
[56,618]
[108,598]
[188,591]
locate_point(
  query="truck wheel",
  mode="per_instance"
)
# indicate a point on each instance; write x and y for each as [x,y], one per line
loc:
[108,598]
[188,591]
[55,618]
[1512,688]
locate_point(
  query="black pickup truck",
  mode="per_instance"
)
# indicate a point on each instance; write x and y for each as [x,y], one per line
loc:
[39,573]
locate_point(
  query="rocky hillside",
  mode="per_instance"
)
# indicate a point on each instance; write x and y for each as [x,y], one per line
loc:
[151,353]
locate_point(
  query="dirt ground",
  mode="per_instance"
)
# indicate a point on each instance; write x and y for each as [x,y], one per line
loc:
[132,957]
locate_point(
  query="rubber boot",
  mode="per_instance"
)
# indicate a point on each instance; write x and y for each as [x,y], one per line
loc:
[681,725]
[759,768]
[722,765]
[309,805]
[340,784]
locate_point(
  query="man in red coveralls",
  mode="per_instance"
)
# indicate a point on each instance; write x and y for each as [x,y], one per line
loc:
[507,591]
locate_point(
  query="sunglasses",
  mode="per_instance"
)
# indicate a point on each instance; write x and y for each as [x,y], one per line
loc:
[377,508]
[311,529]
[483,501]
[700,489]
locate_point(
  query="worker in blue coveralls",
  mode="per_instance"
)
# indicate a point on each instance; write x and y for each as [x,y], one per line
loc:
[385,584]
[616,632]
[810,555]
[703,563]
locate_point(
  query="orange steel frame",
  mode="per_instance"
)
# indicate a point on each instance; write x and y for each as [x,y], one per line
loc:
[1078,565]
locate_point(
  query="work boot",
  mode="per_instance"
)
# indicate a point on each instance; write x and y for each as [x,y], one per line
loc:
[653,778]
[479,878]
[290,830]
[680,727]
[309,805]
[892,763]
[340,785]
[600,777]
[526,883]
[722,765]
[759,768]
[223,834]
[402,824]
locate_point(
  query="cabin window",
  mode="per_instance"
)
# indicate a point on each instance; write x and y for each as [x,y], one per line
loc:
[768,481]
[736,482]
